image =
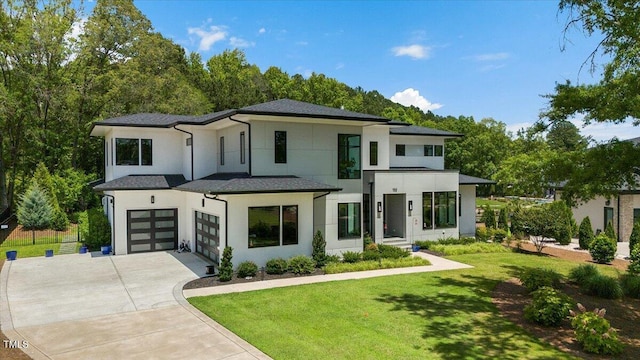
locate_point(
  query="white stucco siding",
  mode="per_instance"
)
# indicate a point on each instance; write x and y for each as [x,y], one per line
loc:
[167,152]
[335,245]
[379,134]
[205,149]
[232,151]
[238,210]
[594,209]
[141,200]
[415,152]
[194,202]
[468,206]
[412,185]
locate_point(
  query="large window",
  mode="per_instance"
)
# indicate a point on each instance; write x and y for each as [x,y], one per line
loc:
[373,153]
[134,152]
[427,211]
[348,220]
[348,156]
[636,215]
[242,148]
[445,209]
[289,225]
[439,150]
[265,227]
[222,150]
[281,147]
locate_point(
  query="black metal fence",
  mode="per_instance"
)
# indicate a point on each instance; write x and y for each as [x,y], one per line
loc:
[12,234]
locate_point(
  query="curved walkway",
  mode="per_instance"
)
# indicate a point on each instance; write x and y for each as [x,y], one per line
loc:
[130,307]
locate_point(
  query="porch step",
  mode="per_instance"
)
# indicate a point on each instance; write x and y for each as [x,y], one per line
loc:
[400,243]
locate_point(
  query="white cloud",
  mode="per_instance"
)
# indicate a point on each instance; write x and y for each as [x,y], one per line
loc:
[491,67]
[339,66]
[240,43]
[208,35]
[513,128]
[606,131]
[413,51]
[412,97]
[262,31]
[491,57]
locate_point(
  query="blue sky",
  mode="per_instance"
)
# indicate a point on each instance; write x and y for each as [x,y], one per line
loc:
[474,58]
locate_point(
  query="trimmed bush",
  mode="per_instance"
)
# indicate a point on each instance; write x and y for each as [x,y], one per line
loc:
[226,266]
[634,239]
[535,278]
[582,273]
[98,230]
[483,234]
[549,307]
[475,248]
[630,285]
[351,256]
[425,244]
[371,255]
[585,233]
[488,217]
[611,234]
[332,259]
[301,264]
[503,220]
[563,222]
[594,332]
[603,249]
[392,252]
[634,265]
[499,235]
[603,286]
[247,269]
[319,245]
[276,266]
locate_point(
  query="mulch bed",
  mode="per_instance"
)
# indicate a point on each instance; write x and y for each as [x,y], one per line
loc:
[510,297]
[261,276]
[9,353]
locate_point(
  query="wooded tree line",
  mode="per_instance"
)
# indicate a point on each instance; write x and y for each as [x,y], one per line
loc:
[62,70]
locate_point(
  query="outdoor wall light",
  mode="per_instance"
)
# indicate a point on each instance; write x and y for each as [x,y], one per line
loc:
[379,206]
[153,199]
[410,205]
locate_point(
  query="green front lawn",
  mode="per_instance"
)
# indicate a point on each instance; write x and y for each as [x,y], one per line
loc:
[441,315]
[495,204]
[32,250]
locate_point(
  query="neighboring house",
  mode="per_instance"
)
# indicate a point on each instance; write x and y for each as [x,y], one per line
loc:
[263,179]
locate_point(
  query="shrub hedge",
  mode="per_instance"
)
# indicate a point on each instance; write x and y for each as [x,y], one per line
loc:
[535,278]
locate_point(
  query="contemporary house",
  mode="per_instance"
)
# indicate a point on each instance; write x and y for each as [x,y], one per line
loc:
[264,178]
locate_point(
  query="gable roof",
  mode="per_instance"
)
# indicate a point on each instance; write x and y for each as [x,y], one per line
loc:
[142,182]
[163,120]
[288,107]
[421,131]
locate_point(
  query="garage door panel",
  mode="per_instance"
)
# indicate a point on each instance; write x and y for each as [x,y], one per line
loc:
[207,235]
[152,230]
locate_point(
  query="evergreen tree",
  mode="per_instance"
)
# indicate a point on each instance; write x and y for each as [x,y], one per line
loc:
[34,211]
[319,245]
[44,181]
[585,233]
[503,219]
[634,239]
[226,267]
[489,217]
[611,234]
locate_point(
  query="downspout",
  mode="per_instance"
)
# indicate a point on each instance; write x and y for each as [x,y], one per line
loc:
[191,135]
[113,221]
[226,217]
[249,131]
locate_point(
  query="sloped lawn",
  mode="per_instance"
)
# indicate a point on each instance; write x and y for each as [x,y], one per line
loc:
[443,315]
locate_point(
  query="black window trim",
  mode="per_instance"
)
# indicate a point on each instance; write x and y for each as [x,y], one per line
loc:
[139,146]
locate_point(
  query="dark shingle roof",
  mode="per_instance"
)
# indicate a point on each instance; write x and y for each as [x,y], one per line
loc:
[142,182]
[472,180]
[288,107]
[243,184]
[163,120]
[421,131]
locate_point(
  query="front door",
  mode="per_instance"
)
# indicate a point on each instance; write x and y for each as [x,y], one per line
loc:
[394,215]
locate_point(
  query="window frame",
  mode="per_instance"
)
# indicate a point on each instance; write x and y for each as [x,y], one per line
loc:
[242,148]
[349,172]
[428,150]
[350,206]
[428,226]
[373,153]
[450,208]
[438,150]
[280,147]
[297,225]
[221,150]
[140,158]
[253,245]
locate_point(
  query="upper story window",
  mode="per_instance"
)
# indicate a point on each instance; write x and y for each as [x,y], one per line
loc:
[400,150]
[242,148]
[373,153]
[134,152]
[428,150]
[438,150]
[280,145]
[222,150]
[433,150]
[348,156]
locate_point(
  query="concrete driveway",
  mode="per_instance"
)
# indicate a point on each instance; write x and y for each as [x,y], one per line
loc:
[111,307]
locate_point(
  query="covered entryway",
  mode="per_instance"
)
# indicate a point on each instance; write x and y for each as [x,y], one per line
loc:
[394,215]
[208,236]
[152,230]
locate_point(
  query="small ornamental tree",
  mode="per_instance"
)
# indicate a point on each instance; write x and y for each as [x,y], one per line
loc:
[539,224]
[634,239]
[318,252]
[585,233]
[611,234]
[489,217]
[226,266]
[34,211]
[634,264]
[563,221]
[44,180]
[503,219]
[602,249]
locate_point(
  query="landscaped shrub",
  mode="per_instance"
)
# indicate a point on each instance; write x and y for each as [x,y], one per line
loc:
[335,268]
[457,241]
[582,273]
[603,249]
[585,233]
[332,259]
[34,211]
[351,256]
[634,264]
[630,285]
[371,247]
[276,266]
[488,217]
[226,266]
[563,222]
[247,269]
[535,278]
[499,235]
[392,252]
[483,234]
[603,286]
[98,229]
[549,307]
[318,252]
[503,220]
[594,332]
[634,239]
[367,240]
[424,244]
[371,255]
[611,234]
[475,248]
[301,265]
